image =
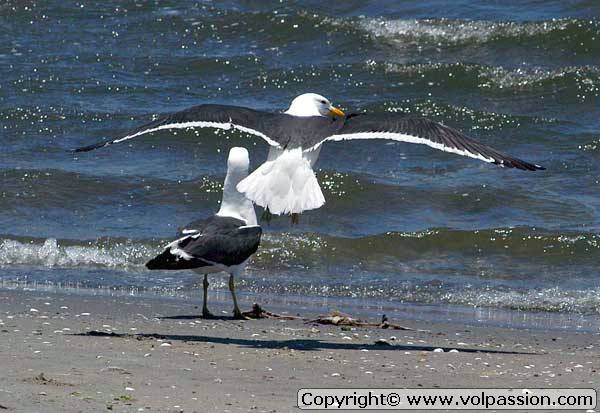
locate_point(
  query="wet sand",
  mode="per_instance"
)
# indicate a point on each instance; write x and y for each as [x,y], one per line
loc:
[66,352]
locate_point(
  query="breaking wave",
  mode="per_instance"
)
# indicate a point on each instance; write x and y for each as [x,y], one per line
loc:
[50,253]
[291,249]
[455,32]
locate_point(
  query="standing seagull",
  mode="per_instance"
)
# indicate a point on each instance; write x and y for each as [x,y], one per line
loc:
[286,182]
[223,242]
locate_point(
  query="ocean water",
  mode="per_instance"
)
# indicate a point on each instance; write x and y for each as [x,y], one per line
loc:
[404,228]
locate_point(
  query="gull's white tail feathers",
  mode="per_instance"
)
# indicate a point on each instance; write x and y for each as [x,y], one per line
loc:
[286,184]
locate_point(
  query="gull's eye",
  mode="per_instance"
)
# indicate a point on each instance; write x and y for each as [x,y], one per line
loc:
[324,102]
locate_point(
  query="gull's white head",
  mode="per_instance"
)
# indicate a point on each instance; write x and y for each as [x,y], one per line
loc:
[238,160]
[311,104]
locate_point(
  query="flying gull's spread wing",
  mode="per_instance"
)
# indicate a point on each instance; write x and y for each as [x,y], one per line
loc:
[226,117]
[399,127]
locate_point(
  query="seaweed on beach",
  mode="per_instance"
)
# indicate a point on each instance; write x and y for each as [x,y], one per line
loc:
[336,319]
[340,319]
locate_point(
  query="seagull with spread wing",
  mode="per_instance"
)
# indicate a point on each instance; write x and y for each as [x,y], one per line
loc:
[286,182]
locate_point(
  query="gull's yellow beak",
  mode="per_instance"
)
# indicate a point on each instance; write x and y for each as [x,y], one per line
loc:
[335,111]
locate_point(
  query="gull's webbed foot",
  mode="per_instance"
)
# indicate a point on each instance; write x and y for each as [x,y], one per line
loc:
[207,314]
[238,315]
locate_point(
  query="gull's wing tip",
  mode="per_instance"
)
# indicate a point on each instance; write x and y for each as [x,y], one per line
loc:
[90,147]
[82,149]
[534,167]
[518,164]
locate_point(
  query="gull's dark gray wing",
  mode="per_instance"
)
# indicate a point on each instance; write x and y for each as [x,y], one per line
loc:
[216,241]
[399,127]
[277,129]
[226,117]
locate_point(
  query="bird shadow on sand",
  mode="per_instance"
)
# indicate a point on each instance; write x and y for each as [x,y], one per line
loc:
[294,344]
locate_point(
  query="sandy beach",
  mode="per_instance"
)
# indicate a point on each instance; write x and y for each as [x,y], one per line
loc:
[77,353]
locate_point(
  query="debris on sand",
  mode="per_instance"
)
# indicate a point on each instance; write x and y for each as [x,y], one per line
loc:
[124,399]
[258,312]
[339,319]
[43,380]
[96,333]
[115,369]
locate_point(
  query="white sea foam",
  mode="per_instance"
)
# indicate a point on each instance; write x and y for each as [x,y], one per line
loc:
[445,31]
[51,253]
[585,301]
[584,79]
